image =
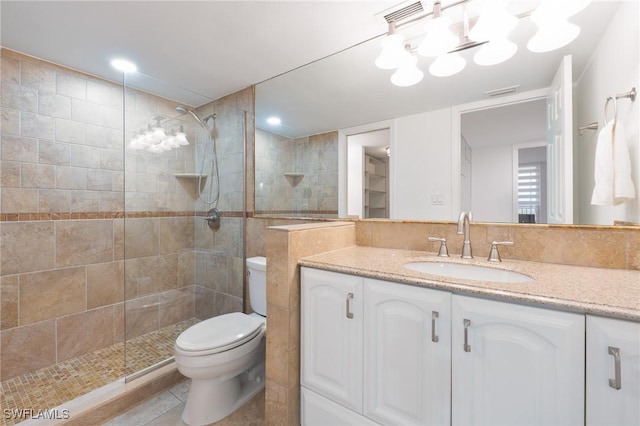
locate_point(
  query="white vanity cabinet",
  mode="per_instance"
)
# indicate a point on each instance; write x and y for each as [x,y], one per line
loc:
[407,354]
[514,364]
[331,336]
[613,372]
[380,349]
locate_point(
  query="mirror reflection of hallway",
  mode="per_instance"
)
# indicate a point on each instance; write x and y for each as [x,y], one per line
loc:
[368,174]
[503,162]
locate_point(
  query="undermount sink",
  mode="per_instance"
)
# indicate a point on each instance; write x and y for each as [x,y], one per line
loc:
[468,272]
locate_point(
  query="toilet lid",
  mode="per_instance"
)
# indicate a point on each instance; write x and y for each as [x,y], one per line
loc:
[222,332]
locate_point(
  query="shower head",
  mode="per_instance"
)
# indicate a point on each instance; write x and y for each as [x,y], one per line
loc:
[183,110]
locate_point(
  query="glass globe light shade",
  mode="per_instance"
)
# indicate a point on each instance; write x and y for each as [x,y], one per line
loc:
[553,35]
[448,64]
[439,39]
[393,52]
[495,52]
[408,73]
[180,138]
[494,23]
[557,10]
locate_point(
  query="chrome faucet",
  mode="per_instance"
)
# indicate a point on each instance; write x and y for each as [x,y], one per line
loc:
[463,229]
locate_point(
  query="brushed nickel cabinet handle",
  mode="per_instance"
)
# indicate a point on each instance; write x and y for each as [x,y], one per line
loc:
[616,382]
[467,324]
[349,298]
[434,317]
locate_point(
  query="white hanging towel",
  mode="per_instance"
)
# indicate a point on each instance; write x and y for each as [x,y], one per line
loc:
[613,183]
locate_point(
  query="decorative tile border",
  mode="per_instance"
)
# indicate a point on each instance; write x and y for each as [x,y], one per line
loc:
[29,217]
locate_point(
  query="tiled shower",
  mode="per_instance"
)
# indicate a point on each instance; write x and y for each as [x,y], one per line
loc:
[105,255]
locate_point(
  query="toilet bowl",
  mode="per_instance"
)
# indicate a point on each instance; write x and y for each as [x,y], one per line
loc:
[225,356]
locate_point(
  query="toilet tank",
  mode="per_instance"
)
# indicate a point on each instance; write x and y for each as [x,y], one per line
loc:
[257,268]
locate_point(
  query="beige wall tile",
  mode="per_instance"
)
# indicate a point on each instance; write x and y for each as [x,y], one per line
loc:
[51,294]
[54,105]
[71,178]
[278,340]
[38,76]
[18,243]
[204,302]
[19,97]
[15,148]
[38,176]
[84,242]
[225,303]
[105,284]
[9,174]
[54,200]
[70,84]
[176,234]
[142,237]
[84,156]
[37,126]
[141,316]
[19,200]
[176,305]
[26,349]
[10,121]
[9,293]
[84,201]
[10,69]
[52,152]
[186,269]
[71,131]
[84,332]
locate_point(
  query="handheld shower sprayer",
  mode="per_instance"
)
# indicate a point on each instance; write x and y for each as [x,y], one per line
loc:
[213,217]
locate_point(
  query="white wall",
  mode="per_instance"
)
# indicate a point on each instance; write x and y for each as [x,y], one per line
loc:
[492,177]
[614,68]
[421,144]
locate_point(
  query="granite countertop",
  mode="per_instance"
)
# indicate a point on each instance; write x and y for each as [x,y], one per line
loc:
[599,291]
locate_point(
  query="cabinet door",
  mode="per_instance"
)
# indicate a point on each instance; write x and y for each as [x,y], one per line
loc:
[613,372]
[319,411]
[407,349]
[331,336]
[514,364]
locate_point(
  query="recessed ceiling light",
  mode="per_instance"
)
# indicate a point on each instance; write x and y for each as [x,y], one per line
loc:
[124,65]
[274,121]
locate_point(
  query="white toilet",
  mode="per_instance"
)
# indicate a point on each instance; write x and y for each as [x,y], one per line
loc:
[225,356]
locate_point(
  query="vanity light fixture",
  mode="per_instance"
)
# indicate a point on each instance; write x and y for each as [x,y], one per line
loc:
[490,32]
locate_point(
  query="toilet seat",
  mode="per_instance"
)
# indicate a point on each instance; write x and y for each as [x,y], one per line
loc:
[219,334]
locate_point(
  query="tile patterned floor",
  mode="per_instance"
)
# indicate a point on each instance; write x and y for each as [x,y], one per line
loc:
[165,409]
[52,386]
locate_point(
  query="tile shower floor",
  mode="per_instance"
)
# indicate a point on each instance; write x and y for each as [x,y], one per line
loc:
[52,386]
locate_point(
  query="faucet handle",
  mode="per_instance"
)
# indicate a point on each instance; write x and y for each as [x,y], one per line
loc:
[443,252]
[494,254]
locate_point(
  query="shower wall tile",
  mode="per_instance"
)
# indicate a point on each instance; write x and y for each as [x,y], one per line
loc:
[16,148]
[83,242]
[51,294]
[38,76]
[186,269]
[105,284]
[71,178]
[176,234]
[150,275]
[225,304]
[104,93]
[38,176]
[54,105]
[19,97]
[176,305]
[9,121]
[19,241]
[82,201]
[37,126]
[76,334]
[54,200]
[104,137]
[111,159]
[84,156]
[9,174]
[100,180]
[71,84]
[204,302]
[18,200]
[71,131]
[28,348]
[55,153]
[141,237]
[10,70]
[9,293]
[141,316]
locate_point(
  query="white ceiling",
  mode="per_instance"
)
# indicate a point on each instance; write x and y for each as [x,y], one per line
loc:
[198,51]
[211,48]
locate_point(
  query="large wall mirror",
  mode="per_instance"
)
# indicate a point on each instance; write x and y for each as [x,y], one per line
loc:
[451,145]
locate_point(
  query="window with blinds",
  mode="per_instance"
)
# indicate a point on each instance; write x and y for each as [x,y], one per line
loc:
[529,192]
